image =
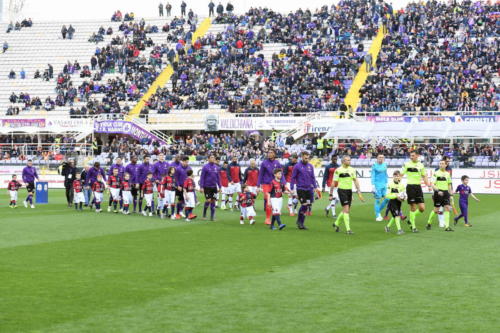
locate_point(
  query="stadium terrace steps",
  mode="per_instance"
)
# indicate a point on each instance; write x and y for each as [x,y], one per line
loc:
[33,48]
[352,98]
[165,75]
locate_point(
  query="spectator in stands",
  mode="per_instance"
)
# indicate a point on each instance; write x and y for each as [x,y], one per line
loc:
[27,23]
[5,46]
[10,27]
[438,56]
[211,7]
[71,32]
[160,9]
[183,8]
[50,71]
[168,8]
[220,9]
[64,31]
[12,74]
[22,74]
[229,8]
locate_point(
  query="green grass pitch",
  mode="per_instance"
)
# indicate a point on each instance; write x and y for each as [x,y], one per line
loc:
[67,271]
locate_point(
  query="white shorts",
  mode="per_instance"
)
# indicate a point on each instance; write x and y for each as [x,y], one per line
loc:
[226,190]
[189,199]
[115,193]
[161,201]
[169,197]
[78,197]
[98,197]
[253,189]
[235,188]
[247,212]
[149,199]
[289,186]
[127,197]
[13,195]
[277,204]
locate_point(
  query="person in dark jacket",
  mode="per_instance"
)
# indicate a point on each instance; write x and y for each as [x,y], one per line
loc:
[183,8]
[211,7]
[69,173]
[220,9]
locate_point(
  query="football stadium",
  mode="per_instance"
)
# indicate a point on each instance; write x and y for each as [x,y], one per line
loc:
[247,166]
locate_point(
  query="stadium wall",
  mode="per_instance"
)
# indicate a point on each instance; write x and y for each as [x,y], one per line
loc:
[486,180]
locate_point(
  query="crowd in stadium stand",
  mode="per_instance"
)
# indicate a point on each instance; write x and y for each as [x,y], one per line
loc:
[437,56]
[312,73]
[244,146]
[25,23]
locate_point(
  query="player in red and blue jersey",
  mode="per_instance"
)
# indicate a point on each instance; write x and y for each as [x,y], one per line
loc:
[287,172]
[189,188]
[464,191]
[251,177]
[13,187]
[275,198]
[327,181]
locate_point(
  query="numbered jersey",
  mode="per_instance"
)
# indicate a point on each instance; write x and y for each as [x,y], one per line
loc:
[126,186]
[189,185]
[247,199]
[168,183]
[77,186]
[277,189]
[98,187]
[114,182]
[14,185]
[147,187]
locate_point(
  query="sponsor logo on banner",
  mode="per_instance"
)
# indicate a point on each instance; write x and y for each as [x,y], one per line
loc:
[17,123]
[476,119]
[313,127]
[69,123]
[240,123]
[258,123]
[125,127]
[383,119]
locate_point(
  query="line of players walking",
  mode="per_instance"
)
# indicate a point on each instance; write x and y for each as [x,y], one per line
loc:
[132,189]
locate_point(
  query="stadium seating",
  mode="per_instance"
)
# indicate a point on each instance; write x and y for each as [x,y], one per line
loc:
[34,48]
[437,56]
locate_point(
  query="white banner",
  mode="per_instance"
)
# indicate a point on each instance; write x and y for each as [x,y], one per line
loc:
[48,124]
[258,123]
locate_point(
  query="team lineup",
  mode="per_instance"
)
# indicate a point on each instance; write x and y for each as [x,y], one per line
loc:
[133,188]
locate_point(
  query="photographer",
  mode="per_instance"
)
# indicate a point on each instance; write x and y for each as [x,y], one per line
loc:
[69,172]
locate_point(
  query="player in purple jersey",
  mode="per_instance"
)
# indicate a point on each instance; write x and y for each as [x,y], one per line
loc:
[464,191]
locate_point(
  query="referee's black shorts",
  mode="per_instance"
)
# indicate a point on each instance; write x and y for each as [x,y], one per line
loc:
[306,197]
[210,192]
[345,197]
[30,187]
[441,200]
[415,194]
[395,207]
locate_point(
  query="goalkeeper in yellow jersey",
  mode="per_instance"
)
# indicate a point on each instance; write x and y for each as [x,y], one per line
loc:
[443,190]
[396,194]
